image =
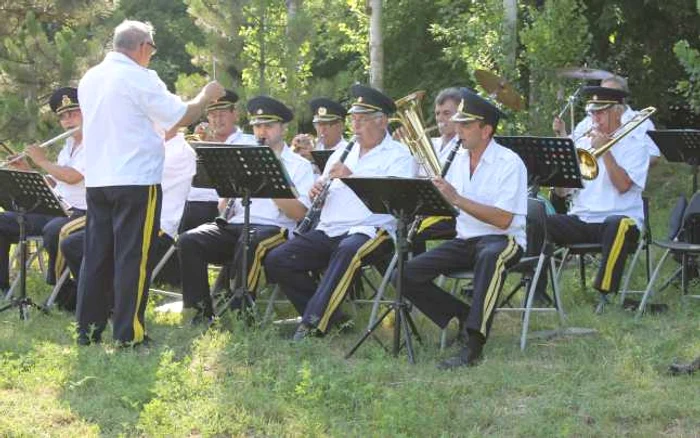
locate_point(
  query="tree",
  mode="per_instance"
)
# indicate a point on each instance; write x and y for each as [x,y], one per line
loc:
[376,47]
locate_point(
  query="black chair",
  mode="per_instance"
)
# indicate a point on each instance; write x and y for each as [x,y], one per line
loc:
[537,261]
[683,244]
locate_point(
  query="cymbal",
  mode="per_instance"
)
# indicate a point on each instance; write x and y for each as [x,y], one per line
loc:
[499,89]
[585,73]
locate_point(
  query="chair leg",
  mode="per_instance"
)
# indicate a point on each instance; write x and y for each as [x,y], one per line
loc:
[649,290]
[56,289]
[271,304]
[162,262]
[381,290]
[565,255]
[630,271]
[557,296]
[582,271]
[443,332]
[528,304]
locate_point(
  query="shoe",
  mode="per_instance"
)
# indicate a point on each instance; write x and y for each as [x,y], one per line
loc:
[84,339]
[202,318]
[303,331]
[465,358]
[147,342]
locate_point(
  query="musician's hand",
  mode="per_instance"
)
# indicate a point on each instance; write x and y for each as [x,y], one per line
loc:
[598,139]
[20,164]
[317,188]
[213,91]
[303,145]
[202,130]
[36,153]
[447,190]
[559,127]
[339,170]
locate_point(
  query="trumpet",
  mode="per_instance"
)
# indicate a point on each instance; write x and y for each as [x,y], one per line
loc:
[588,158]
[57,138]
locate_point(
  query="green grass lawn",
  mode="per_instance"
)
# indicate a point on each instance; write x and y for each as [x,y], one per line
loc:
[235,381]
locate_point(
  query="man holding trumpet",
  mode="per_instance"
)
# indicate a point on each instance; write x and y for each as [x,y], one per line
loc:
[66,178]
[329,117]
[608,209]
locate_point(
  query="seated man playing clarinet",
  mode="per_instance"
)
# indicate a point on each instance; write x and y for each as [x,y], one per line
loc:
[347,234]
[487,183]
[270,219]
[608,209]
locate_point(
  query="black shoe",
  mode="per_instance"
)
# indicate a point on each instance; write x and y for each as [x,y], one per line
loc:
[147,342]
[678,369]
[84,339]
[465,358]
[202,318]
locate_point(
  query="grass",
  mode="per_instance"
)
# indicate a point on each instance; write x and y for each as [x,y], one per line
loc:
[234,381]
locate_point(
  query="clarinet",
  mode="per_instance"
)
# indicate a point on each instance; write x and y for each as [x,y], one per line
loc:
[445,168]
[222,220]
[314,214]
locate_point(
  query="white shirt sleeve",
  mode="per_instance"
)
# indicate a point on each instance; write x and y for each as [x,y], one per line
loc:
[512,193]
[632,155]
[160,105]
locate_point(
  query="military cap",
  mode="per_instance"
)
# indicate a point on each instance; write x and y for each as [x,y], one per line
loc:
[227,101]
[264,109]
[600,98]
[64,99]
[369,100]
[473,107]
[327,110]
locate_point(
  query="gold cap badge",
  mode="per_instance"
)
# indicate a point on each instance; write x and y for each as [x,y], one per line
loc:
[66,100]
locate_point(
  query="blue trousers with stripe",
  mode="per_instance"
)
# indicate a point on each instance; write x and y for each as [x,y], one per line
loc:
[290,264]
[122,223]
[617,235]
[487,256]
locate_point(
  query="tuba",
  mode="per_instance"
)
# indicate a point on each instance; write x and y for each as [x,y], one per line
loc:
[410,116]
[588,159]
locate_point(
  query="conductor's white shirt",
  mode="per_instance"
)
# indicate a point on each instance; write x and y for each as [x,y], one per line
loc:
[499,180]
[74,157]
[178,169]
[122,103]
[599,198]
[264,211]
[343,211]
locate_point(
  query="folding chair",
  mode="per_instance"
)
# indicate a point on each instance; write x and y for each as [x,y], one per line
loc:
[643,246]
[537,261]
[38,254]
[685,244]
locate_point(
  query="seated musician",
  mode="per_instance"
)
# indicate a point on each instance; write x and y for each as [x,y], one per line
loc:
[66,176]
[222,127]
[433,228]
[178,170]
[270,218]
[487,183]
[347,234]
[608,210]
[329,123]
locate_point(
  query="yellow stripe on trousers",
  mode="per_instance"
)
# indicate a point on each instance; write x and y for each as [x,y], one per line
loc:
[494,288]
[145,249]
[614,255]
[66,230]
[263,247]
[430,221]
[345,281]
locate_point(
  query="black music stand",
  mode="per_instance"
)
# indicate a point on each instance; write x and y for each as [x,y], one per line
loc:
[550,161]
[245,171]
[201,178]
[321,158]
[26,192]
[680,146]
[403,198]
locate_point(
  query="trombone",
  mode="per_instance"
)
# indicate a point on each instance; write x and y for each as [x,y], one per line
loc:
[57,138]
[588,158]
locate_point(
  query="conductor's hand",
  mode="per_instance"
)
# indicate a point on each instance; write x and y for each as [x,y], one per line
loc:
[213,91]
[36,153]
[447,190]
[317,188]
[339,170]
[559,127]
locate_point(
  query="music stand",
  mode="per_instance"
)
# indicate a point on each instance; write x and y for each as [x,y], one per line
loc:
[201,178]
[550,161]
[403,198]
[244,171]
[680,146]
[26,192]
[321,158]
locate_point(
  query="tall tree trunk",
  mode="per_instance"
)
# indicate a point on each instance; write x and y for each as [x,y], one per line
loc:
[510,9]
[376,48]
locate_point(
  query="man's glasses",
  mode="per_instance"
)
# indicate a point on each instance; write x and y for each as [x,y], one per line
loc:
[153,46]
